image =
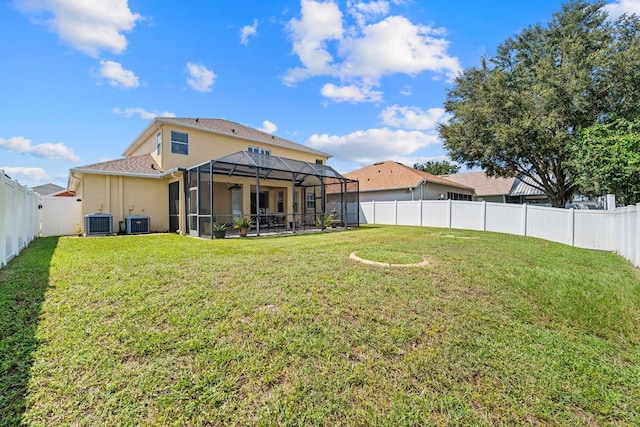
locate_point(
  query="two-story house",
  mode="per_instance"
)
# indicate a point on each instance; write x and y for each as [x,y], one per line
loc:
[184,174]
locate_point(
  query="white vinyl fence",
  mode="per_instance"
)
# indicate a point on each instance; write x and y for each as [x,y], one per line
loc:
[19,218]
[616,231]
[59,215]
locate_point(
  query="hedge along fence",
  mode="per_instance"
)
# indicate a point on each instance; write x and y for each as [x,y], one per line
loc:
[19,218]
[616,231]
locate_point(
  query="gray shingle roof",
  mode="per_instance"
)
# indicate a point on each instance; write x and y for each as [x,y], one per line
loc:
[46,189]
[483,184]
[139,165]
[226,127]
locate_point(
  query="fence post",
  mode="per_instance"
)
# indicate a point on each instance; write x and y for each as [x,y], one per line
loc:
[395,212]
[483,217]
[421,207]
[524,219]
[449,214]
[373,205]
[571,226]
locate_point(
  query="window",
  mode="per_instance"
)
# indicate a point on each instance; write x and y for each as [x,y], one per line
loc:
[318,161]
[159,143]
[179,143]
[280,201]
[258,150]
[458,196]
[311,201]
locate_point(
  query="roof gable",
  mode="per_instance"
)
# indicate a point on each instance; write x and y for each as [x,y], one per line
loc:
[224,127]
[484,185]
[390,174]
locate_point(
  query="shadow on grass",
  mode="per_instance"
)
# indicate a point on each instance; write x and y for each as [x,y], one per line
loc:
[23,284]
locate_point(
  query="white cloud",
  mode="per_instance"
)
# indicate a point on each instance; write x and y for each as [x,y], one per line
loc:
[117,76]
[21,145]
[201,78]
[413,117]
[248,31]
[620,7]
[32,174]
[361,56]
[268,127]
[320,23]
[351,93]
[365,12]
[373,145]
[144,114]
[395,45]
[87,25]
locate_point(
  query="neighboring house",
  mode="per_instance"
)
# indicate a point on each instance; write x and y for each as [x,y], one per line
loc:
[500,190]
[52,190]
[389,180]
[184,173]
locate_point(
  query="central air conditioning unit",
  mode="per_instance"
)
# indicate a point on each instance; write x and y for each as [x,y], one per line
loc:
[137,224]
[97,224]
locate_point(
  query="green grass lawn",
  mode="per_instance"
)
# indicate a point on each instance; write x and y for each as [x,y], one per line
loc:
[171,330]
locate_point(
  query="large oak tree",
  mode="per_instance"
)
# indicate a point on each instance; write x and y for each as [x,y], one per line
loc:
[519,113]
[607,160]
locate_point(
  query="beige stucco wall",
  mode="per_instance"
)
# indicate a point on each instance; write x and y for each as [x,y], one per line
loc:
[122,196]
[204,146]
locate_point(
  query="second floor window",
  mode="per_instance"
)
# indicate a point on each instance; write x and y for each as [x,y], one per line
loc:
[258,150]
[179,143]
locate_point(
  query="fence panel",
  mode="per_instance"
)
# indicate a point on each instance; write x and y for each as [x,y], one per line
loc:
[19,218]
[550,224]
[59,216]
[367,213]
[436,214]
[505,218]
[467,215]
[408,213]
[594,230]
[385,213]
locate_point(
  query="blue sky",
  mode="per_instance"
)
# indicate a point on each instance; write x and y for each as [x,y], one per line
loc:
[364,81]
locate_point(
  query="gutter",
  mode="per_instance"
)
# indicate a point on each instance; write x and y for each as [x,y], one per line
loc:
[130,174]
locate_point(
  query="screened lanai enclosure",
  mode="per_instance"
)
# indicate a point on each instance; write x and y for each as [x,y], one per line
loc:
[279,195]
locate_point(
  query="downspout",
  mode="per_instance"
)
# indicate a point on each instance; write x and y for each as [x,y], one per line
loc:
[411,189]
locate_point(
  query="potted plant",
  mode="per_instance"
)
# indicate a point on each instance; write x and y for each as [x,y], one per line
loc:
[242,224]
[324,221]
[219,230]
[78,230]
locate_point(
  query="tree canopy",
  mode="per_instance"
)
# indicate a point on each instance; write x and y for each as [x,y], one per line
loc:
[435,167]
[521,112]
[607,160]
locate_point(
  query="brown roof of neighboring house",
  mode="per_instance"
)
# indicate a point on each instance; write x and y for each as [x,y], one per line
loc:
[225,127]
[483,184]
[137,165]
[390,174]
